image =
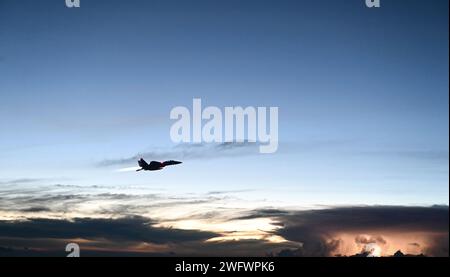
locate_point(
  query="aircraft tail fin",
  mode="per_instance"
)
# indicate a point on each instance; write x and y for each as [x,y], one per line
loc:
[142,163]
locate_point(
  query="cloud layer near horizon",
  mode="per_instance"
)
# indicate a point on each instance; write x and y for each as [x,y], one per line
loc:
[40,223]
[108,220]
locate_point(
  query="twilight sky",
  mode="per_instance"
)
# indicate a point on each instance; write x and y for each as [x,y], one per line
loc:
[362,96]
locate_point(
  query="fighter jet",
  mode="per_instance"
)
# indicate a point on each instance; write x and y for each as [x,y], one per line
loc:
[154,165]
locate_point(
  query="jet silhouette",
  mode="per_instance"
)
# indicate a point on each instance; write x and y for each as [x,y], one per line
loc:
[154,165]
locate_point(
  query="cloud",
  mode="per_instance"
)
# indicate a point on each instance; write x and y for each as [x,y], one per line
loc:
[319,230]
[314,248]
[114,221]
[128,236]
[57,201]
[233,248]
[439,246]
[308,233]
[425,155]
[127,229]
[195,151]
[190,152]
[262,213]
[35,210]
[20,181]
[362,239]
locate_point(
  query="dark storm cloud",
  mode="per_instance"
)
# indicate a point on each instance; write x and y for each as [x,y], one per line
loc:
[117,237]
[49,247]
[128,229]
[190,152]
[439,246]
[316,247]
[313,228]
[241,248]
[363,217]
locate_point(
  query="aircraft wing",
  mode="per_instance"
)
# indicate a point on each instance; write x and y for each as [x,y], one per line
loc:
[171,162]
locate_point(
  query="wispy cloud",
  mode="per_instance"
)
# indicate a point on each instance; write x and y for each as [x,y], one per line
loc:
[190,152]
[426,155]
[20,181]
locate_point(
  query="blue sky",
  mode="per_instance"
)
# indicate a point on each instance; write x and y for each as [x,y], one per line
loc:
[362,94]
